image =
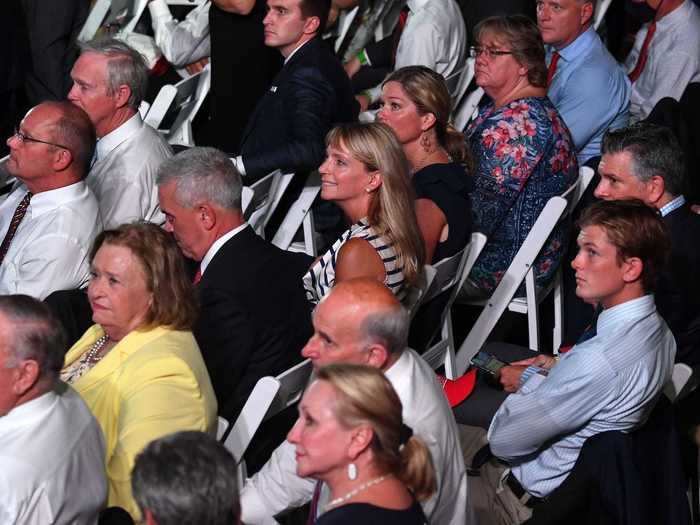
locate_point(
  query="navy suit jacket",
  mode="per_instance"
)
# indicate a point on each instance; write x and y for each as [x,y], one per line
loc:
[288,127]
[678,289]
[254,318]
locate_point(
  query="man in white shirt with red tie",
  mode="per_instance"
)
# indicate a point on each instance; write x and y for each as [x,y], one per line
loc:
[665,57]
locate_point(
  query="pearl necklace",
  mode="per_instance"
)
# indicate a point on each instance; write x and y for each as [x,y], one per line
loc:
[96,348]
[342,499]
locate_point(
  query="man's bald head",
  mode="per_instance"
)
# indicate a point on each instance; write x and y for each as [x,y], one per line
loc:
[359,321]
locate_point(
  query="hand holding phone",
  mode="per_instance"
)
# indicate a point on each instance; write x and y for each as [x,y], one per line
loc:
[488,363]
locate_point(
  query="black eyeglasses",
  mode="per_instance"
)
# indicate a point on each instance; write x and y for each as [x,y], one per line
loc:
[490,52]
[23,137]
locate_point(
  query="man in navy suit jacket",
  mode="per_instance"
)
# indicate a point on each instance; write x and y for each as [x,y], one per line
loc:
[254,318]
[645,162]
[307,97]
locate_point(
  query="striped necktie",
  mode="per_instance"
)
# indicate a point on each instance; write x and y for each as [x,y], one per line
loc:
[17,217]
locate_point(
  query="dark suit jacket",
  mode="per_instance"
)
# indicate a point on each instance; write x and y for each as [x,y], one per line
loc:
[288,127]
[678,289]
[254,317]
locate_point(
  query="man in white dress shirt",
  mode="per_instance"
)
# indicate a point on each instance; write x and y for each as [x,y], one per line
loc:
[49,220]
[109,83]
[362,322]
[666,55]
[51,447]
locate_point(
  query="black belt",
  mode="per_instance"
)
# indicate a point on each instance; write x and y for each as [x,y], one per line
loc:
[523,495]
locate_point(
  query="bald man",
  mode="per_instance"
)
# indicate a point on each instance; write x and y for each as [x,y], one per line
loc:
[361,322]
[50,218]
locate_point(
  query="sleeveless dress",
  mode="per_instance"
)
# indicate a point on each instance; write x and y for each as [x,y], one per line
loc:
[320,278]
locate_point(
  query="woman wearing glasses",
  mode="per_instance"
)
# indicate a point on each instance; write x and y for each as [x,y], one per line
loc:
[524,151]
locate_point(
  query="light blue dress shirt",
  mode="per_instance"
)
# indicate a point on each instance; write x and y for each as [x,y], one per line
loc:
[609,382]
[591,92]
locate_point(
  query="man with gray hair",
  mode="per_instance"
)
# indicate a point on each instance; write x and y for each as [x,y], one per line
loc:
[360,321]
[186,477]
[109,83]
[254,317]
[52,452]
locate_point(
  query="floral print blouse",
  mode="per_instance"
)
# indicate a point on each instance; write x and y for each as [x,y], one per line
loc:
[525,155]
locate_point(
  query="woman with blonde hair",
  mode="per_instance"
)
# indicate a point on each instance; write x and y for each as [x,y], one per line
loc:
[350,436]
[416,105]
[366,174]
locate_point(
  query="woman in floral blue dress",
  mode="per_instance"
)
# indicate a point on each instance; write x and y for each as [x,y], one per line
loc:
[523,149]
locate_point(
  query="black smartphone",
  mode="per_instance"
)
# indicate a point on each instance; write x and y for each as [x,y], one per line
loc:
[488,363]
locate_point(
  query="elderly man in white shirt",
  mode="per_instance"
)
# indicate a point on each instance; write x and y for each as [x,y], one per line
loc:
[51,447]
[361,322]
[50,218]
[109,83]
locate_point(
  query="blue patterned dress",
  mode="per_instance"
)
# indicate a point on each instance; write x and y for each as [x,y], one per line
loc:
[525,156]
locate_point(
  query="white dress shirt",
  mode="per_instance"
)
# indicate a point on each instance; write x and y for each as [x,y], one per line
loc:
[609,382]
[123,175]
[673,59]
[277,487]
[50,249]
[52,462]
[216,246]
[434,36]
[181,42]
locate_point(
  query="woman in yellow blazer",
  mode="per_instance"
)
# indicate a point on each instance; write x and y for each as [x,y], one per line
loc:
[139,368]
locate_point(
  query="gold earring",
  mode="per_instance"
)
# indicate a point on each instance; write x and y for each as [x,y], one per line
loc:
[425,142]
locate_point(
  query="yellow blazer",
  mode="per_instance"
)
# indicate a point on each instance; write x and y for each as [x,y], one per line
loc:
[150,384]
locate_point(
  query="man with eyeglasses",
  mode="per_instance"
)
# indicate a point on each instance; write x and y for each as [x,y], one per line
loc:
[585,83]
[50,218]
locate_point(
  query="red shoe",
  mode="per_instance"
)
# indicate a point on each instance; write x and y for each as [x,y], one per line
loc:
[457,390]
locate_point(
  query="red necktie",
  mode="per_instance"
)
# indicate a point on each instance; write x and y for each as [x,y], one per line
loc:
[197,276]
[643,53]
[552,67]
[403,17]
[14,224]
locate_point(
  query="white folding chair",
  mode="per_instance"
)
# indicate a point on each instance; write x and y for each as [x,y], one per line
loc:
[450,274]
[269,397]
[516,273]
[467,109]
[221,428]
[344,23]
[300,216]
[267,193]
[600,9]
[458,82]
[95,18]
[679,378]
[184,99]
[105,11]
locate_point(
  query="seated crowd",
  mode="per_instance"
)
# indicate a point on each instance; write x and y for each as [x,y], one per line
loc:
[139,308]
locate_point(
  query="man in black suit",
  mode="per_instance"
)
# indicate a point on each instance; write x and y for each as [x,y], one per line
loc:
[645,162]
[309,95]
[254,317]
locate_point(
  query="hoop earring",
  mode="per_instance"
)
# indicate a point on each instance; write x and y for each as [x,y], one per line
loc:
[352,472]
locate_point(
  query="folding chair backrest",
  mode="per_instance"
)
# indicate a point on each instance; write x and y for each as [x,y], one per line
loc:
[574,193]
[251,416]
[190,96]
[95,18]
[292,384]
[299,216]
[466,109]
[600,9]
[511,281]
[267,193]
[680,376]
[221,428]
[344,22]
[458,82]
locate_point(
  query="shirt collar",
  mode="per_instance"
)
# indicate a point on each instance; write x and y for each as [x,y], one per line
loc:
[297,49]
[671,206]
[115,137]
[636,308]
[415,5]
[400,369]
[216,246]
[578,46]
[50,200]
[31,409]
[678,16]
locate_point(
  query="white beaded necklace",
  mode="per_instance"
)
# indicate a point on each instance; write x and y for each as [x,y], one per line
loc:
[342,499]
[96,348]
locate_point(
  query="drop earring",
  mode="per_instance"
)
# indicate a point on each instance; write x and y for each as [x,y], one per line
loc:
[352,472]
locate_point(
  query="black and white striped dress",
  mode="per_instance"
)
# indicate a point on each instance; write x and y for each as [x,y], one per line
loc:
[321,276]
